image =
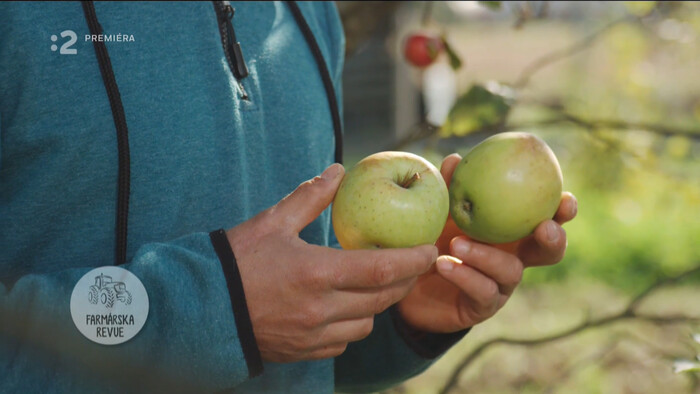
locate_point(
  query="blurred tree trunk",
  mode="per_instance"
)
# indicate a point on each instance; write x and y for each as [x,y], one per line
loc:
[361,19]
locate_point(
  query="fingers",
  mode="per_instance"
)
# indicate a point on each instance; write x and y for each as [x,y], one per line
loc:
[548,243]
[448,167]
[334,338]
[304,204]
[344,331]
[328,351]
[503,268]
[450,231]
[545,247]
[568,208]
[358,303]
[353,269]
[482,293]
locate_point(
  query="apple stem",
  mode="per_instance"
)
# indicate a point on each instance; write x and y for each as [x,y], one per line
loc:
[407,182]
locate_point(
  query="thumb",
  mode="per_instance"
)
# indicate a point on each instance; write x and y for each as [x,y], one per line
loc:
[448,167]
[304,204]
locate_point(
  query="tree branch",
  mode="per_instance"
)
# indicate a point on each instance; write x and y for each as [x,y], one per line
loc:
[427,13]
[634,303]
[423,131]
[629,312]
[594,124]
[418,132]
[555,56]
[568,372]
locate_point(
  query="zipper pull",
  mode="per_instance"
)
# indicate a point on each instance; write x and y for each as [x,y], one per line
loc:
[240,68]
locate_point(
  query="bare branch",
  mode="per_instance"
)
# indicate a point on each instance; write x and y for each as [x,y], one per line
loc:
[621,125]
[611,345]
[567,373]
[418,132]
[628,312]
[662,283]
[423,131]
[427,13]
[560,54]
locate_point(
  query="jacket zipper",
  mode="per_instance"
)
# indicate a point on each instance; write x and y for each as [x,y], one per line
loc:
[232,48]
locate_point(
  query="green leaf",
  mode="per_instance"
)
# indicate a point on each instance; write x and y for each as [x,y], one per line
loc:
[492,5]
[455,60]
[478,109]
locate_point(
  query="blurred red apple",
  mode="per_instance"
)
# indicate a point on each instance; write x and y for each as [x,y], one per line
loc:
[421,49]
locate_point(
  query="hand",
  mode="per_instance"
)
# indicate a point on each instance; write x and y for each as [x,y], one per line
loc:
[307,301]
[472,281]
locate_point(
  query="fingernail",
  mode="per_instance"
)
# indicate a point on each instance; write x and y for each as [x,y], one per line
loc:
[455,155]
[444,265]
[552,232]
[461,247]
[331,172]
[574,210]
[447,263]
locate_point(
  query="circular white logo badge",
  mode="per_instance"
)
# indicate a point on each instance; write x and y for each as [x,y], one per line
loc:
[109,305]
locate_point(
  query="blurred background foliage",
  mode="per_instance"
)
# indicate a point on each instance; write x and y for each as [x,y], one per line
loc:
[614,88]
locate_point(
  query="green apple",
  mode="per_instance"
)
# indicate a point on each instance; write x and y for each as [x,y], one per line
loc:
[504,187]
[390,200]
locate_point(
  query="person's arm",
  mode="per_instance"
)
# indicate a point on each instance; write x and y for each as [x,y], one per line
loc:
[297,301]
[190,338]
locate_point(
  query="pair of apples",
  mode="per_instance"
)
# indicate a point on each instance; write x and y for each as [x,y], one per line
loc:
[500,191]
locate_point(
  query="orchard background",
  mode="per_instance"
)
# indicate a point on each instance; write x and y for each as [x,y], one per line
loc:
[614,88]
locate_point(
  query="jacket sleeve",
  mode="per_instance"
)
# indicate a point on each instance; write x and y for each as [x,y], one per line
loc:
[191,340]
[392,353]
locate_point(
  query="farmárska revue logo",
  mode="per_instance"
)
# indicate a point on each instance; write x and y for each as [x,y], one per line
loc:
[109,305]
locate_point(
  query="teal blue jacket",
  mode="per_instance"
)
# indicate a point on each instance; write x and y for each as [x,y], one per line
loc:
[202,158]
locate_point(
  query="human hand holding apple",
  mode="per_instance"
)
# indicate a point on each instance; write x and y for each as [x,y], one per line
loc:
[473,280]
[307,301]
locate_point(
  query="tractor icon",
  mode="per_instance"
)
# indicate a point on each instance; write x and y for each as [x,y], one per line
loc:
[105,291]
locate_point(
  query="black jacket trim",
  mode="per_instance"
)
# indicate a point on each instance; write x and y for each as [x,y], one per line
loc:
[425,344]
[325,77]
[238,302]
[115,103]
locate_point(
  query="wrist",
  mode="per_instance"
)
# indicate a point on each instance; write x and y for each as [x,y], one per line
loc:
[426,344]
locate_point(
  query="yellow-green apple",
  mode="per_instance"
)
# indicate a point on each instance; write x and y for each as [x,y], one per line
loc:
[390,200]
[504,187]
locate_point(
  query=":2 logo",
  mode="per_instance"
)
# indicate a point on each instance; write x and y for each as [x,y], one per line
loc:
[66,47]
